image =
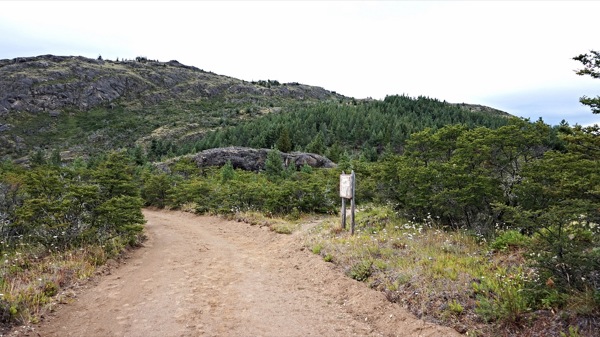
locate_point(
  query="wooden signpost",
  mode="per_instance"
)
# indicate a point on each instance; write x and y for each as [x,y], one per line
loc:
[347,187]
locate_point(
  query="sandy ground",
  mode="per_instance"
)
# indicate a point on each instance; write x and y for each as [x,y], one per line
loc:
[204,276]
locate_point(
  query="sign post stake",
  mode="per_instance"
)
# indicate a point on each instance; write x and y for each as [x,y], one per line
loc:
[343,213]
[353,204]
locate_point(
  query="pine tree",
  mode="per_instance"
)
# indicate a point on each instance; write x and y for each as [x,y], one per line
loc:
[334,152]
[284,142]
[274,164]
[227,172]
[591,63]
[115,176]
[317,145]
[37,158]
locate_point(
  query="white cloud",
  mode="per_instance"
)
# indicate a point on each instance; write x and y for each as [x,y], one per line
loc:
[452,50]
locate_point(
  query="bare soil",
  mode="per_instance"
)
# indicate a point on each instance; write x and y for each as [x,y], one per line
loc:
[205,276]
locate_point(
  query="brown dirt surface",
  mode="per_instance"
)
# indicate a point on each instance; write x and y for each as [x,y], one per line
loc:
[205,276]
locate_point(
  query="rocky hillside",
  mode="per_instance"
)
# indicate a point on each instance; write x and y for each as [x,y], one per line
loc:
[52,84]
[81,105]
[482,108]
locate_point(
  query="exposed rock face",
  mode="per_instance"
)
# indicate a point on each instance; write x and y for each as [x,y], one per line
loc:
[53,83]
[244,158]
[254,159]
[482,108]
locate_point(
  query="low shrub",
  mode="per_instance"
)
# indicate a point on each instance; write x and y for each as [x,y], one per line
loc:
[510,239]
[361,270]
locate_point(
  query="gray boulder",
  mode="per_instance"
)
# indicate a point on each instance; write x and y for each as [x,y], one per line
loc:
[250,159]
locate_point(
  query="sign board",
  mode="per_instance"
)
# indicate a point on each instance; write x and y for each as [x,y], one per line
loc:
[346,186]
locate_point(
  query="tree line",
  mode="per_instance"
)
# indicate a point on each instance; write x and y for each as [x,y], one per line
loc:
[366,127]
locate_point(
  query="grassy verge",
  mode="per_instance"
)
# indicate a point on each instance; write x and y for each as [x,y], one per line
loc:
[33,281]
[279,225]
[447,277]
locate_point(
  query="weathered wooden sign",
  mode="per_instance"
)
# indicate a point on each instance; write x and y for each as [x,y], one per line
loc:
[346,186]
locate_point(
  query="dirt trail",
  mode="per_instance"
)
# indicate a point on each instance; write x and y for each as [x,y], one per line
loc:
[203,276]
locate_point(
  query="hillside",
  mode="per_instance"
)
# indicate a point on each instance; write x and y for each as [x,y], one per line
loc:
[482,108]
[56,83]
[69,102]
[76,106]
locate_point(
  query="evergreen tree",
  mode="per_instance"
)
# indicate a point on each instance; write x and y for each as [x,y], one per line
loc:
[120,216]
[115,176]
[274,164]
[289,170]
[317,145]
[558,203]
[591,67]
[227,172]
[334,152]
[37,158]
[55,158]
[368,154]
[284,142]
[138,155]
[156,188]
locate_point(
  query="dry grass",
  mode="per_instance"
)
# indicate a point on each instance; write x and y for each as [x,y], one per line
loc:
[447,277]
[33,281]
[278,225]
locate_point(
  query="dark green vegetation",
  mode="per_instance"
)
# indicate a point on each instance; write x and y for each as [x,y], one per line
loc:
[277,190]
[58,222]
[366,128]
[479,220]
[525,192]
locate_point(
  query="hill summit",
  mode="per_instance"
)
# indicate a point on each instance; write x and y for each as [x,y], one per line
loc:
[51,83]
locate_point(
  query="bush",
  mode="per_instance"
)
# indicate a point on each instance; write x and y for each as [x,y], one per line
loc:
[501,298]
[266,192]
[510,239]
[361,270]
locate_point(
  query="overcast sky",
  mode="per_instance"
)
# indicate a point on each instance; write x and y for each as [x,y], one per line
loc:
[512,55]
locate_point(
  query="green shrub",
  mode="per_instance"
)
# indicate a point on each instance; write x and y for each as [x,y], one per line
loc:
[552,298]
[282,228]
[455,307]
[50,288]
[573,332]
[510,239]
[501,298]
[362,270]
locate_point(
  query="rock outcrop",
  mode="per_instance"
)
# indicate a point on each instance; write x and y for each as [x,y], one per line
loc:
[482,108]
[252,159]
